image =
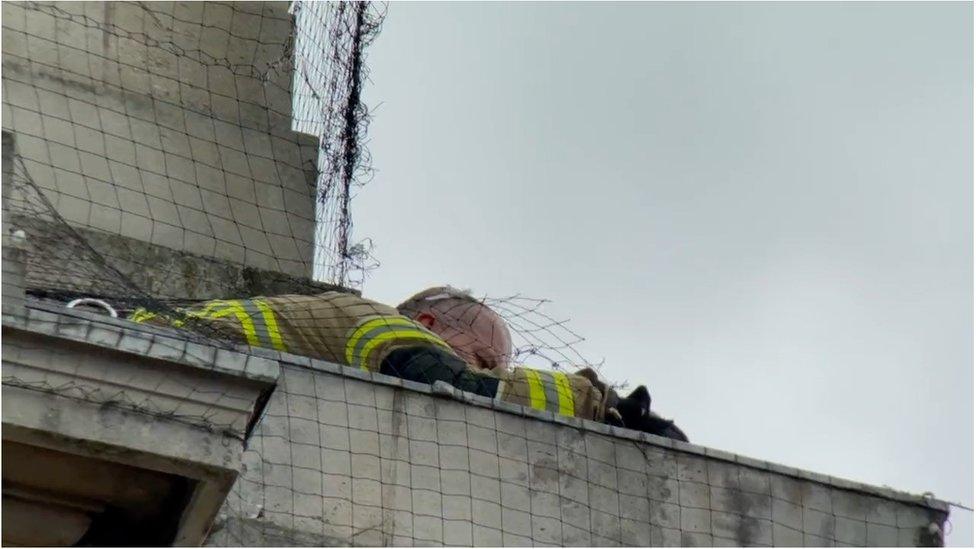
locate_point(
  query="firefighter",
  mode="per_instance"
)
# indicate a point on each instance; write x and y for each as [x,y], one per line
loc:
[335,326]
[440,334]
[482,338]
[476,333]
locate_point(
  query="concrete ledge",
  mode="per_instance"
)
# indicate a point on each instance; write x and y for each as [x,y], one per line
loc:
[134,439]
[145,340]
[134,398]
[267,360]
[444,390]
[251,532]
[684,468]
[371,460]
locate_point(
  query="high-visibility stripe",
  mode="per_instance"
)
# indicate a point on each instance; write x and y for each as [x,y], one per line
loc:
[208,309]
[567,406]
[256,315]
[219,313]
[549,388]
[141,315]
[550,391]
[257,320]
[233,307]
[397,334]
[364,339]
[271,323]
[247,324]
[537,395]
[500,392]
[353,346]
[359,348]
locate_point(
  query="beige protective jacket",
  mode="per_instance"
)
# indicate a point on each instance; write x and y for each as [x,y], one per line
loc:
[350,330]
[566,394]
[334,326]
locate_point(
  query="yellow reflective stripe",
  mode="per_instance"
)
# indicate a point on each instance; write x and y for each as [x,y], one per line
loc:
[141,315]
[247,325]
[369,325]
[229,310]
[537,394]
[414,333]
[566,405]
[207,311]
[235,308]
[272,324]
[219,308]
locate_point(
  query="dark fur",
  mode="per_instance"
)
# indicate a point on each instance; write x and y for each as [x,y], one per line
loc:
[634,410]
[657,425]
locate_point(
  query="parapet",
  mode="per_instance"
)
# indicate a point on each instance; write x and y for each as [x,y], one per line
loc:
[114,435]
[296,451]
[348,457]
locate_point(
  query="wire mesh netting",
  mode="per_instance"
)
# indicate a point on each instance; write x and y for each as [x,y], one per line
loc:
[331,39]
[173,123]
[345,461]
[336,460]
[182,175]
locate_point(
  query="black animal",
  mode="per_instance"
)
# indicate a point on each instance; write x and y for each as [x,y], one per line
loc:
[635,413]
[634,410]
[657,425]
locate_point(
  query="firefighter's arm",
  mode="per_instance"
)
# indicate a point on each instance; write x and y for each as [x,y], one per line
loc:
[428,364]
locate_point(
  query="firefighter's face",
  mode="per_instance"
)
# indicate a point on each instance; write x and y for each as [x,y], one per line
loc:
[475,332]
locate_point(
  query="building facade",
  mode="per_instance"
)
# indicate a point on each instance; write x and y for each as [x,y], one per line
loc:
[149,154]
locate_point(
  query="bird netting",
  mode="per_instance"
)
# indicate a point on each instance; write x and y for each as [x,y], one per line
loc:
[173,124]
[165,163]
[188,168]
[151,152]
[330,45]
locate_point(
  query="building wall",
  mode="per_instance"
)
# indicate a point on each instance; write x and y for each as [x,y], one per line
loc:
[118,433]
[170,123]
[339,459]
[165,122]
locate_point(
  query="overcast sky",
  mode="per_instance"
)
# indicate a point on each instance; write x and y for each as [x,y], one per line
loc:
[761,211]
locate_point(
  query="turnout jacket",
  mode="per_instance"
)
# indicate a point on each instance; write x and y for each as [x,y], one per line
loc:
[350,330]
[338,327]
[557,392]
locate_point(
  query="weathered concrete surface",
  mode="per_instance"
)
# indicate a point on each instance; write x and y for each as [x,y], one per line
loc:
[84,393]
[42,252]
[57,498]
[60,263]
[166,122]
[344,457]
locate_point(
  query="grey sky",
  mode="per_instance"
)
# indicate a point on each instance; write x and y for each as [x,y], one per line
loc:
[762,211]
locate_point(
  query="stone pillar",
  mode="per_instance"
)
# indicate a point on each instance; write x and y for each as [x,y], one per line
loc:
[168,123]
